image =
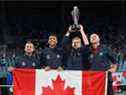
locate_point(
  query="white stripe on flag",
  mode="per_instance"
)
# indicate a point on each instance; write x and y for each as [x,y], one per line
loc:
[71,78]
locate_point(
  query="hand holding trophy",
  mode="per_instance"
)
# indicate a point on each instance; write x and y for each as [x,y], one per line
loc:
[76,27]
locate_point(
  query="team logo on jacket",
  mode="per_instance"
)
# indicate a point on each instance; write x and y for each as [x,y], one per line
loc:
[91,56]
[33,64]
[58,56]
[48,56]
[23,63]
[101,53]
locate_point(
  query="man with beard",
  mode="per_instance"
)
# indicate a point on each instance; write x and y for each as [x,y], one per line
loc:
[28,59]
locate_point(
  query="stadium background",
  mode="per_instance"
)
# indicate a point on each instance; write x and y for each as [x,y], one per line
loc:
[20,21]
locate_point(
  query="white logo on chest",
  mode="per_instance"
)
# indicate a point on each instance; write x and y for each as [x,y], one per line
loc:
[33,64]
[23,63]
[101,53]
[91,56]
[48,56]
[58,56]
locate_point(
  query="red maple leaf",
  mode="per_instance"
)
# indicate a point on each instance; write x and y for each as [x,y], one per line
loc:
[58,88]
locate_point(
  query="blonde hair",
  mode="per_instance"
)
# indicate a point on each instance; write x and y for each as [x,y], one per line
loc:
[94,35]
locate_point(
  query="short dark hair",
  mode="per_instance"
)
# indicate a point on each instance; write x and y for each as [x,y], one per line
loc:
[53,34]
[29,42]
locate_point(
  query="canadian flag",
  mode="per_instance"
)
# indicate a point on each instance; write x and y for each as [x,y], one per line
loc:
[40,82]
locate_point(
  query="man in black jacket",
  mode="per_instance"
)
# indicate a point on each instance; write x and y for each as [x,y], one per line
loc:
[73,56]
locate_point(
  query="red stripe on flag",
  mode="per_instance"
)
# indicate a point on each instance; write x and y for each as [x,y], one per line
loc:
[24,81]
[93,83]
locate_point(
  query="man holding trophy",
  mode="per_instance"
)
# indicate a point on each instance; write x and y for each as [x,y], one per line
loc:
[95,57]
[75,37]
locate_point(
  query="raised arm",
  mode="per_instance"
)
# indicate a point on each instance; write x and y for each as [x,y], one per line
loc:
[84,37]
[66,39]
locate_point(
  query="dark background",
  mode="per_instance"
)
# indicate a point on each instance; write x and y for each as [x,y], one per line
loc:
[20,21]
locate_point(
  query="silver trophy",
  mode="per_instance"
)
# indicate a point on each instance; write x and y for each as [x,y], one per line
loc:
[75,14]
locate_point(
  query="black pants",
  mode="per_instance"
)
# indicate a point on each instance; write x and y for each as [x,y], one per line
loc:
[4,90]
[109,88]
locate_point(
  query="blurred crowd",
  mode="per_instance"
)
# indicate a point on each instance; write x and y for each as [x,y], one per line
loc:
[19,56]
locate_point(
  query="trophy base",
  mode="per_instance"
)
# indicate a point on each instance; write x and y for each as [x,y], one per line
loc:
[75,27]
